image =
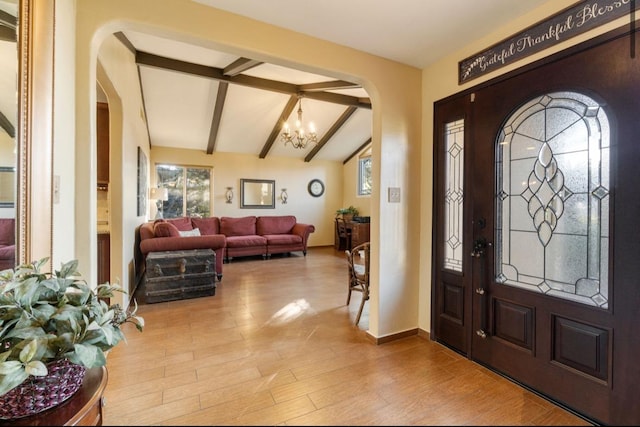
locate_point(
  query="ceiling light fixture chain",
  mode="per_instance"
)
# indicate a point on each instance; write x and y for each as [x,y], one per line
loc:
[299,138]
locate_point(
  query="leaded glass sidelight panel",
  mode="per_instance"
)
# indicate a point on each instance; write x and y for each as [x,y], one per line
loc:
[552,198]
[454,192]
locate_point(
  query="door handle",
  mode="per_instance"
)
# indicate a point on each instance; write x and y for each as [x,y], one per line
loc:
[479,246]
[479,251]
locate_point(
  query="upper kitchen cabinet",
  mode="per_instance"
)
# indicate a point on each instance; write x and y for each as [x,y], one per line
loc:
[102,130]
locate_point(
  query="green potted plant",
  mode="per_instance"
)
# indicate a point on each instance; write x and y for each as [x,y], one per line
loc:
[348,213]
[53,326]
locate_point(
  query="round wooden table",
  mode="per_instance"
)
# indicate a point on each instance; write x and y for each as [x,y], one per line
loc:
[83,408]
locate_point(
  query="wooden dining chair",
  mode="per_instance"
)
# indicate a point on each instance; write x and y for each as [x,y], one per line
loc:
[358,278]
[344,235]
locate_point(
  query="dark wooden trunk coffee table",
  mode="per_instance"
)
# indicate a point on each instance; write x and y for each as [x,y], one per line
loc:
[174,275]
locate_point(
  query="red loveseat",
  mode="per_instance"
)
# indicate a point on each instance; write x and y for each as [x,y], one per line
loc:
[264,235]
[284,234]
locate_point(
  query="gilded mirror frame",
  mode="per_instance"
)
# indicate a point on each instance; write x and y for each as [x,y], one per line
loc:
[34,212]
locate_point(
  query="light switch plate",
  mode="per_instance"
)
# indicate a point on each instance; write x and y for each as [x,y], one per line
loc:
[394,194]
[56,189]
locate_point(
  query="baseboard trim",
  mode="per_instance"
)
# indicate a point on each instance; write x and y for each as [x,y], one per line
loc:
[392,337]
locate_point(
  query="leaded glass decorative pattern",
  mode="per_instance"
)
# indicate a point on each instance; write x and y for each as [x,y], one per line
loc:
[552,198]
[454,184]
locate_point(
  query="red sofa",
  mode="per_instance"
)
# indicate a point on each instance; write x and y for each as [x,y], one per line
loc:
[228,237]
[264,235]
[7,243]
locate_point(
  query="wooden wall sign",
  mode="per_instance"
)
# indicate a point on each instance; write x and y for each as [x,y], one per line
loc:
[562,26]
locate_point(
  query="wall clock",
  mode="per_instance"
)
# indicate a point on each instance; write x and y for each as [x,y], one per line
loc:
[316,188]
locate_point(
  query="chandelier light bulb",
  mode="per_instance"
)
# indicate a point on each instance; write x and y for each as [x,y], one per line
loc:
[299,139]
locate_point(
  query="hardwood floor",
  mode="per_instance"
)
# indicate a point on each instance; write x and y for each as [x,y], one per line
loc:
[277,345]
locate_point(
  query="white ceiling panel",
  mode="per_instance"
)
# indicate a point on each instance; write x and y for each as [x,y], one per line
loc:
[248,118]
[358,93]
[355,132]
[283,74]
[179,108]
[174,49]
[9,6]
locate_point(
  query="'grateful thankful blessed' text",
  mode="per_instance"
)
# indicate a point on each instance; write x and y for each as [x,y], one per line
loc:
[562,26]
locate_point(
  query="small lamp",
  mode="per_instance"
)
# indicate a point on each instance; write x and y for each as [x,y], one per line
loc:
[284,196]
[229,194]
[160,195]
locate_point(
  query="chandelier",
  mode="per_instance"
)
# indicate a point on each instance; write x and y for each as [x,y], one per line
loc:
[299,138]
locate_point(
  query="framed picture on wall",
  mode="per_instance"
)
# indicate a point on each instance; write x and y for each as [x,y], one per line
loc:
[142,182]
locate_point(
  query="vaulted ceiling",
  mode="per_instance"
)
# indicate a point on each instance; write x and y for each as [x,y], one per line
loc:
[213,101]
[201,99]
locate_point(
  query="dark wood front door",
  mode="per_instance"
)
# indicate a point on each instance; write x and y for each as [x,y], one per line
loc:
[537,239]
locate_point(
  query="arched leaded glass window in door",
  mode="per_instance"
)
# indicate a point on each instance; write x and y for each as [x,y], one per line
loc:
[552,198]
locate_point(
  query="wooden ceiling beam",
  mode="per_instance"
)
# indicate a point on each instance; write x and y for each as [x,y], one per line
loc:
[156,61]
[7,126]
[217,116]
[120,36]
[331,85]
[8,34]
[357,151]
[8,27]
[275,132]
[125,41]
[232,74]
[327,136]
[337,98]
[240,65]
[8,20]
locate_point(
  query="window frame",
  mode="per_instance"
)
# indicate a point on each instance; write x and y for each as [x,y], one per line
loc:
[362,180]
[185,189]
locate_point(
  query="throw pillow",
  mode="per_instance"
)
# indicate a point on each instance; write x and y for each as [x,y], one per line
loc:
[165,229]
[243,226]
[208,225]
[182,223]
[194,232]
[279,224]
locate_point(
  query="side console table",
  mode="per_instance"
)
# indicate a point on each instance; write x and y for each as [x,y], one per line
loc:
[360,232]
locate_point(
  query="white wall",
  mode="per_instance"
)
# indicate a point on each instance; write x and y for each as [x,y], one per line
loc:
[395,94]
[117,74]
[64,104]
[292,174]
